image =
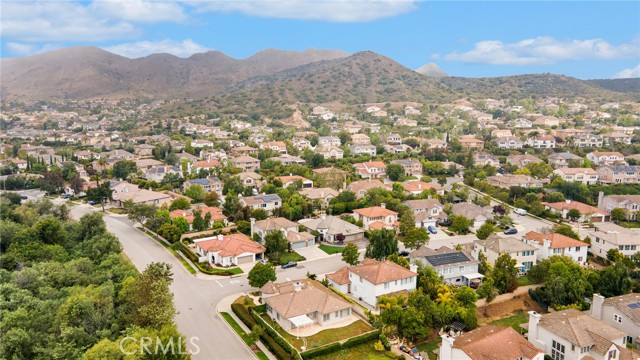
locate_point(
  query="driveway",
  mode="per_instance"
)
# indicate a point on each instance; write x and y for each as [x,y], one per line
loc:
[196,298]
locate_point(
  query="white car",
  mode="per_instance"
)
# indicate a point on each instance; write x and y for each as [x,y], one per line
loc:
[520,211]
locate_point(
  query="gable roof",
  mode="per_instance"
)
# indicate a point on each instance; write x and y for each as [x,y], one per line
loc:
[503,245]
[377,272]
[558,241]
[579,328]
[622,303]
[583,208]
[230,245]
[311,297]
[276,223]
[492,342]
[374,211]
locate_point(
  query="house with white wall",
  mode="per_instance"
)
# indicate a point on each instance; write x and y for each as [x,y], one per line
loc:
[557,244]
[228,250]
[622,312]
[372,279]
[376,217]
[607,236]
[489,342]
[455,267]
[494,246]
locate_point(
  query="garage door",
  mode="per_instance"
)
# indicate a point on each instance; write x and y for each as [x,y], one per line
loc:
[245,259]
[298,245]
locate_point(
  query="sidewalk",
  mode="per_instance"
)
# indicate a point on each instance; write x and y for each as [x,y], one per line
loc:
[224,305]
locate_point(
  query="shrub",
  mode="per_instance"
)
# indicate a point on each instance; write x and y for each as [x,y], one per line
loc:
[277,337]
[361,339]
[385,342]
[274,347]
[242,314]
[327,349]
[261,309]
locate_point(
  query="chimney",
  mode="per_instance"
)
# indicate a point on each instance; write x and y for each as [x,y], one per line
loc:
[568,201]
[547,243]
[534,319]
[297,286]
[220,237]
[413,268]
[446,349]
[253,223]
[323,215]
[596,306]
[383,205]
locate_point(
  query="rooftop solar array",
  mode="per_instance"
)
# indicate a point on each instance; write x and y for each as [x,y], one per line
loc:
[448,258]
[635,305]
[270,197]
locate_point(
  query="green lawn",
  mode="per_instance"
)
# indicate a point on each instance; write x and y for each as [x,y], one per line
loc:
[243,334]
[331,249]
[429,347]
[524,281]
[117,211]
[360,352]
[513,321]
[629,224]
[291,256]
[323,337]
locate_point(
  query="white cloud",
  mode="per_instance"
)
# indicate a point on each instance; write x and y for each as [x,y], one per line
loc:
[322,10]
[544,50]
[140,10]
[628,73]
[21,49]
[138,49]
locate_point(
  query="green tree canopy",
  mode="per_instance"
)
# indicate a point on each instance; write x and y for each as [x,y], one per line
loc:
[261,274]
[350,254]
[382,243]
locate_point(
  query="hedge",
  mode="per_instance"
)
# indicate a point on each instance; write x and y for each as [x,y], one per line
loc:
[277,337]
[327,349]
[242,314]
[261,309]
[274,347]
[361,339]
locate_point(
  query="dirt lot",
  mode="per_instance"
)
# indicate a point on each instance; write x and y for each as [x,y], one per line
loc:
[508,308]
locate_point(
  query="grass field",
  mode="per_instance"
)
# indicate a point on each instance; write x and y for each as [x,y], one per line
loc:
[513,321]
[524,281]
[360,352]
[243,334]
[331,249]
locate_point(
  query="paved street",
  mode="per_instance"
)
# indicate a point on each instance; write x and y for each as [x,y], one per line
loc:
[196,298]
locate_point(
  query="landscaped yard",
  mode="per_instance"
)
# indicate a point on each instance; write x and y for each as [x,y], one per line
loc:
[245,337]
[629,224]
[291,256]
[323,337]
[117,210]
[360,352]
[513,321]
[429,347]
[331,249]
[524,281]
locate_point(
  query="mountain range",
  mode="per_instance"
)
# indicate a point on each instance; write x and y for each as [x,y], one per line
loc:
[271,77]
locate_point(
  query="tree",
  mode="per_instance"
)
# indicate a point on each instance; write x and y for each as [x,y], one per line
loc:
[398,260]
[460,224]
[574,214]
[485,230]
[150,296]
[614,255]
[100,194]
[504,273]
[196,192]
[170,232]
[76,183]
[123,168]
[566,230]
[52,181]
[350,254]
[50,231]
[199,224]
[407,222]
[412,324]
[395,172]
[618,214]
[180,204]
[181,223]
[382,243]
[261,274]
[91,224]
[615,280]
[276,244]
[139,212]
[466,296]
[415,238]
[212,199]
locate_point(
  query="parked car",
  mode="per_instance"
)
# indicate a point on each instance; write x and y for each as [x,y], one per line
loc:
[66,196]
[264,261]
[24,197]
[432,229]
[520,211]
[290,264]
[403,253]
[511,231]
[475,283]
[91,202]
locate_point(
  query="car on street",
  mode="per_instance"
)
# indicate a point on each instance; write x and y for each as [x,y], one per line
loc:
[24,197]
[290,264]
[511,231]
[91,202]
[520,211]
[66,196]
[432,229]
[403,253]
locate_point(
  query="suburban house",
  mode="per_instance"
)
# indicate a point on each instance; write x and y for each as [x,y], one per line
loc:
[573,335]
[509,142]
[288,228]
[292,179]
[630,203]
[471,143]
[508,180]
[619,174]
[322,195]
[126,191]
[417,187]
[302,303]
[621,312]
[607,236]
[286,159]
[362,186]
[332,229]
[210,184]
[207,165]
[541,142]
[157,173]
[482,158]
[489,342]
[455,267]
[266,202]
[215,214]
[394,139]
[251,179]
[617,138]
[397,148]
[329,141]
[243,150]
[331,177]
[278,146]
[588,140]
[522,160]
[329,151]
[587,176]
[201,143]
[371,169]
[606,158]
[557,244]
[521,123]
[524,254]
[145,164]
[246,163]
[411,167]
[229,250]
[472,212]
[426,211]
[376,217]
[301,143]
[499,133]
[564,159]
[360,139]
[363,149]
[588,213]
[372,279]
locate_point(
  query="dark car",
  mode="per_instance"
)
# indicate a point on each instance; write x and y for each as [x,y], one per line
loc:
[404,253]
[24,197]
[91,202]
[66,196]
[290,264]
[432,229]
[511,231]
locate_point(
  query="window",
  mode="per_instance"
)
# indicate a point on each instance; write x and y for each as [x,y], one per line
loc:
[612,354]
[620,247]
[336,314]
[557,350]
[617,318]
[461,268]
[386,285]
[326,317]
[577,248]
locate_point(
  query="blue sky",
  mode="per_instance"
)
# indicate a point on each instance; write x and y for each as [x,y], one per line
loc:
[475,39]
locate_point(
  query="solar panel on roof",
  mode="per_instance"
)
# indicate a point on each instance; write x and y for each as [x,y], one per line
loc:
[445,259]
[635,305]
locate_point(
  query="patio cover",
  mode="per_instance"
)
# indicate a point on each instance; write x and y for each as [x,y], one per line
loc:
[301,320]
[473,276]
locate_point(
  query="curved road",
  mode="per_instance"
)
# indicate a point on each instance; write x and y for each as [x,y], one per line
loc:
[196,298]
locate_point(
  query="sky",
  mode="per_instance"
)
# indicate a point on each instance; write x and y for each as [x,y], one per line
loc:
[583,39]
